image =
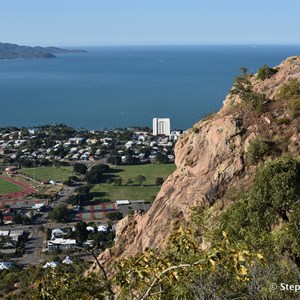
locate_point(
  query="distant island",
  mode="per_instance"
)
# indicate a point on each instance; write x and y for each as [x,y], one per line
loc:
[11,51]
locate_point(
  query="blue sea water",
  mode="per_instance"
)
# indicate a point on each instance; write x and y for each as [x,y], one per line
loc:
[111,87]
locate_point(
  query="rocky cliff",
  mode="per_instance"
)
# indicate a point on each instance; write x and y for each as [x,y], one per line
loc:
[212,156]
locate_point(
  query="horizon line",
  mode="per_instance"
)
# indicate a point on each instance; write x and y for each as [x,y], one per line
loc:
[182,45]
[252,44]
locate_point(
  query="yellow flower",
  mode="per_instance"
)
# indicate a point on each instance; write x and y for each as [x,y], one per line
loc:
[243,271]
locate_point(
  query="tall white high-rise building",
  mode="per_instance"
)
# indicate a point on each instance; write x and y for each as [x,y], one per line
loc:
[161,126]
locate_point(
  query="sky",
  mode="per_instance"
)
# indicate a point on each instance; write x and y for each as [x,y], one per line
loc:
[149,22]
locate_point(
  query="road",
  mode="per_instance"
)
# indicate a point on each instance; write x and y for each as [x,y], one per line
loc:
[65,193]
[33,248]
[33,245]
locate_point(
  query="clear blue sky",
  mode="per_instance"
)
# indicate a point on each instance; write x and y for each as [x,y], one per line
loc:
[111,22]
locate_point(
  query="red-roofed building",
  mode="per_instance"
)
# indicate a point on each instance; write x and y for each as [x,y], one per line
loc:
[8,219]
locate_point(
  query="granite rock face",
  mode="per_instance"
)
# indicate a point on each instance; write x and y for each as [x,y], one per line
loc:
[210,157]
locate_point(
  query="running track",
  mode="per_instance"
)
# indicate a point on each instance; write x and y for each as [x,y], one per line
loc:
[16,195]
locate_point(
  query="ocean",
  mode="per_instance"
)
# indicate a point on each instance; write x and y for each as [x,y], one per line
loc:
[112,87]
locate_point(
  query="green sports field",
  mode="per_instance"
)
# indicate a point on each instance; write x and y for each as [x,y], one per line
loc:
[59,174]
[8,187]
[150,171]
[134,191]
[113,193]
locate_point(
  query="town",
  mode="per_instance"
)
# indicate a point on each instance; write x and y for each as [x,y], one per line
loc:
[62,191]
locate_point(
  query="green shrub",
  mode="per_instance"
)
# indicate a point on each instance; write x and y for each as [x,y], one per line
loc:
[257,150]
[290,90]
[283,121]
[116,215]
[80,168]
[266,72]
[243,87]
[272,199]
[195,129]
[295,105]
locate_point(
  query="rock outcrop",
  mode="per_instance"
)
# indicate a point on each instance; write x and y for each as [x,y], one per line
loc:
[210,157]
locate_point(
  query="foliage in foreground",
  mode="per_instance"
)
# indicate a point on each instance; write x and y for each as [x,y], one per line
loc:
[58,284]
[236,254]
[24,284]
[185,270]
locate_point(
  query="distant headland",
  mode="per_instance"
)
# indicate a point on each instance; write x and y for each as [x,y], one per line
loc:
[11,51]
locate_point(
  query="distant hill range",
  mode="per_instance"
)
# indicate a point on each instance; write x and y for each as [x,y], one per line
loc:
[10,51]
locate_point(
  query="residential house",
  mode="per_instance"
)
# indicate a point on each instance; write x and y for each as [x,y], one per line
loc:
[67,261]
[52,264]
[58,233]
[5,265]
[61,244]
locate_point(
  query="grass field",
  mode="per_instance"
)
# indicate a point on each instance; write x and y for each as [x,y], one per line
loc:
[113,193]
[150,171]
[49,173]
[133,192]
[110,191]
[8,187]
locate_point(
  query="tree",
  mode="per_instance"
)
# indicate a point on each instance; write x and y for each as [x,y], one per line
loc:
[116,215]
[266,72]
[68,182]
[118,181]
[129,181]
[101,168]
[60,213]
[131,160]
[74,200]
[114,159]
[273,199]
[44,162]
[140,179]
[257,149]
[161,158]
[276,186]
[82,195]
[84,189]
[81,232]
[159,181]
[95,174]
[80,168]
[244,88]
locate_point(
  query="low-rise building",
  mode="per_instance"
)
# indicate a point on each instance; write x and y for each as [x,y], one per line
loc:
[5,265]
[52,264]
[58,233]
[67,261]
[129,206]
[61,244]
